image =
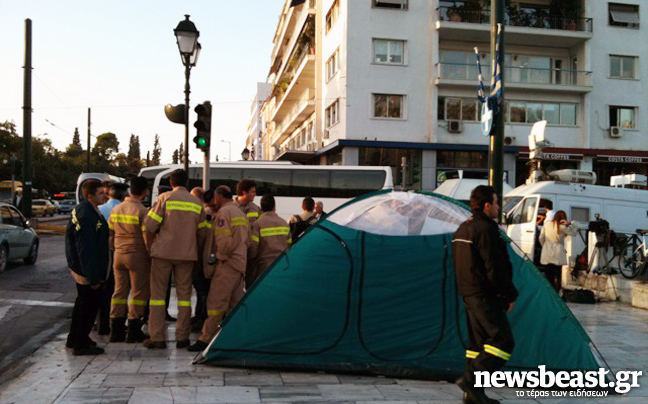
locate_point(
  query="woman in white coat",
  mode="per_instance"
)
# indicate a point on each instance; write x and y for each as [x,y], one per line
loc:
[554,256]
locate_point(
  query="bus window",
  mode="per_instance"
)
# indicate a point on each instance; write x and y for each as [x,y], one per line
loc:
[275,182]
[224,176]
[313,183]
[349,184]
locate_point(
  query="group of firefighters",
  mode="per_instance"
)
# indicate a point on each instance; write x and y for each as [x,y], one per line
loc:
[207,239]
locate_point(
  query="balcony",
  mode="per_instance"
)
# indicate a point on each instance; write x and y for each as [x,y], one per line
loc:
[524,78]
[299,76]
[300,111]
[524,27]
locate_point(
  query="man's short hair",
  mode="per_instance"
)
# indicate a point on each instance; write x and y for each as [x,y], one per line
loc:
[199,193]
[208,196]
[267,203]
[90,188]
[308,204]
[138,186]
[244,186]
[118,191]
[224,191]
[179,178]
[480,196]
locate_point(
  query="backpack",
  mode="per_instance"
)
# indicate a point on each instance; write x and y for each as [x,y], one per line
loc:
[299,226]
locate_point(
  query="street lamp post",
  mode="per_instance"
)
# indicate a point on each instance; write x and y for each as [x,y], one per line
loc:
[187,39]
[229,155]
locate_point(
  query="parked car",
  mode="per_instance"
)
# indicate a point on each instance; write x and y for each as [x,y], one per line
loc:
[43,207]
[17,239]
[56,206]
[66,206]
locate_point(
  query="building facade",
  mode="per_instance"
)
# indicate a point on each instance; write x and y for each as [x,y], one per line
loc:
[370,82]
[256,143]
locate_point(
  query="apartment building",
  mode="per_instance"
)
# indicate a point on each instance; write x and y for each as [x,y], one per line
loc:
[256,143]
[368,82]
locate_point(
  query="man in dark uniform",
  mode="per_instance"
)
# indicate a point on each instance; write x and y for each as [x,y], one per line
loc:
[485,281]
[88,257]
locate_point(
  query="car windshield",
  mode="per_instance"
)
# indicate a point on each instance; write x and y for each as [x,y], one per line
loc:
[509,202]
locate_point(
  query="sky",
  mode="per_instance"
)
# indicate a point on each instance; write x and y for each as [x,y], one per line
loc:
[120,59]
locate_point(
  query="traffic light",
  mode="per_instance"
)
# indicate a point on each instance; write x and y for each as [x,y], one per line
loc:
[203,126]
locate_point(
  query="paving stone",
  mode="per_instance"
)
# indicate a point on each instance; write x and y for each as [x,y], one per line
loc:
[417,393]
[253,378]
[193,379]
[227,394]
[309,378]
[347,392]
[149,395]
[292,394]
[139,380]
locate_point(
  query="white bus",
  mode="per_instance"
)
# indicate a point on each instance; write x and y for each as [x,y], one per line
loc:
[288,182]
[93,176]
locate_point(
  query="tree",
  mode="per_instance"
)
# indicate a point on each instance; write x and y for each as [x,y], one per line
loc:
[103,151]
[75,149]
[134,148]
[181,154]
[157,151]
[174,158]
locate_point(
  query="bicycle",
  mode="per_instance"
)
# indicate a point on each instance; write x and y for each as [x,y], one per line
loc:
[632,255]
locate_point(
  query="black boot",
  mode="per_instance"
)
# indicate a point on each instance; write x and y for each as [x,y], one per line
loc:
[135,333]
[474,395]
[118,329]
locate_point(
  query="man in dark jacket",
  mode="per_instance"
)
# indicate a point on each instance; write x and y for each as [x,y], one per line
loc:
[88,257]
[485,281]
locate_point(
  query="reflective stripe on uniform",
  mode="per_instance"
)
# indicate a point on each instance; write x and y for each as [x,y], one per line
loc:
[215,312]
[183,206]
[117,301]
[204,224]
[157,302]
[143,228]
[254,238]
[155,216]
[471,354]
[275,231]
[253,214]
[136,302]
[184,303]
[77,226]
[289,241]
[239,221]
[110,226]
[126,219]
[223,232]
[497,352]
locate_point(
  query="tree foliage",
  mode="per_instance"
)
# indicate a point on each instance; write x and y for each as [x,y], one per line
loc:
[157,151]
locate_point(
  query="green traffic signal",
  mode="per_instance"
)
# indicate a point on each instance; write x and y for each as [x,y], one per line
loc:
[203,126]
[202,142]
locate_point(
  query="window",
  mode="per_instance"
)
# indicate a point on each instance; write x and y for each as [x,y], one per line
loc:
[389,51]
[332,15]
[332,114]
[580,214]
[623,15]
[459,109]
[532,112]
[623,117]
[397,4]
[332,65]
[622,67]
[388,106]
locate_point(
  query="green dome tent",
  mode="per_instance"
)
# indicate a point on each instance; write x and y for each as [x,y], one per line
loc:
[372,290]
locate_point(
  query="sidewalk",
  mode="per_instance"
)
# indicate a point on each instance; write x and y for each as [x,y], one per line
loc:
[129,373]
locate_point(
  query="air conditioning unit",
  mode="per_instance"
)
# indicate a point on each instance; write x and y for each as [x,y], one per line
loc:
[616,131]
[509,141]
[455,127]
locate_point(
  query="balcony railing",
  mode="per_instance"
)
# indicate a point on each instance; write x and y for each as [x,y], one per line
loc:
[516,18]
[300,105]
[526,75]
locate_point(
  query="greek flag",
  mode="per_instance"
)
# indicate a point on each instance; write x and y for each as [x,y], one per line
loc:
[494,98]
[496,77]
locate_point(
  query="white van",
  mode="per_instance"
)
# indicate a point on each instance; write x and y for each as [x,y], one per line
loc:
[625,209]
[460,188]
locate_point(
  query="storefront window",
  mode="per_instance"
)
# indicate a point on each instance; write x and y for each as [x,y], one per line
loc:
[382,156]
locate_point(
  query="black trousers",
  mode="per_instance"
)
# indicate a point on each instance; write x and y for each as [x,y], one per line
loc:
[490,339]
[83,316]
[201,284]
[107,290]
[553,273]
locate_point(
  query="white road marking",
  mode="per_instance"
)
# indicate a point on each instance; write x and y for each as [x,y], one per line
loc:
[35,303]
[4,310]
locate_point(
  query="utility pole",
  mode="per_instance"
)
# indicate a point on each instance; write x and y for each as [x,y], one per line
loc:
[496,145]
[27,129]
[88,151]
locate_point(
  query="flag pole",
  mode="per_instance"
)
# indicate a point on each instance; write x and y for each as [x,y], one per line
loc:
[496,145]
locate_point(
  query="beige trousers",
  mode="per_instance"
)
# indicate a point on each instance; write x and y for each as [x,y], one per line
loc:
[160,271]
[224,293]
[132,275]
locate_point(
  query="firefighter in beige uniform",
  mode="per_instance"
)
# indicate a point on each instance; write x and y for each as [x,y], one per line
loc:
[231,235]
[175,230]
[131,265]
[270,237]
[246,192]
